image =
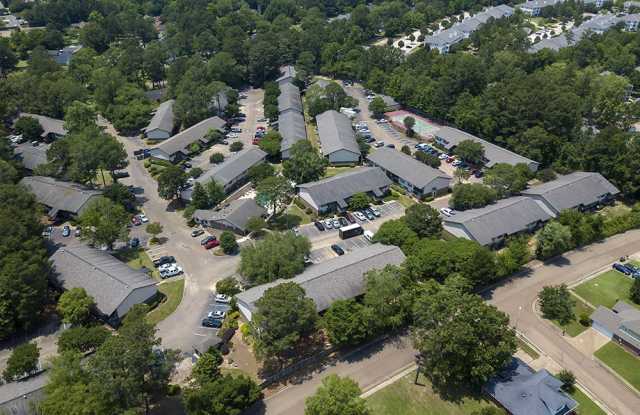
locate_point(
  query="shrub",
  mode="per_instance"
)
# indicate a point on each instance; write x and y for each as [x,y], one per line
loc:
[585,320]
[568,380]
[236,146]
[216,158]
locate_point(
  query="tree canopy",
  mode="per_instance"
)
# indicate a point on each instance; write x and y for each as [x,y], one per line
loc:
[278,255]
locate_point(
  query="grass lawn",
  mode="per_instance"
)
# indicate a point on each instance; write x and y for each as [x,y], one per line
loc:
[138,258]
[623,362]
[405,398]
[172,292]
[586,405]
[296,211]
[106,175]
[574,327]
[332,171]
[527,349]
[399,195]
[606,289]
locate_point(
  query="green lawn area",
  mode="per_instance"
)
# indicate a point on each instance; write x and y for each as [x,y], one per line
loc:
[104,178]
[138,258]
[405,398]
[586,405]
[606,289]
[397,193]
[172,292]
[574,327]
[296,211]
[332,171]
[623,362]
[527,349]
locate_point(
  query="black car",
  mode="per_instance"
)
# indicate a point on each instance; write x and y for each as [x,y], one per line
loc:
[343,221]
[337,249]
[212,322]
[319,225]
[134,242]
[164,260]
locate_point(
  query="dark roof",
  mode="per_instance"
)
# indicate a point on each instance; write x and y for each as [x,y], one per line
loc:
[233,167]
[623,320]
[108,280]
[59,195]
[336,133]
[406,167]
[339,278]
[573,190]
[524,392]
[287,73]
[237,213]
[292,128]
[181,141]
[342,186]
[289,98]
[162,118]
[49,125]
[493,153]
[505,217]
[31,156]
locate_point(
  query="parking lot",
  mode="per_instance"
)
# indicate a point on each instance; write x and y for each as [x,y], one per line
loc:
[212,305]
[322,254]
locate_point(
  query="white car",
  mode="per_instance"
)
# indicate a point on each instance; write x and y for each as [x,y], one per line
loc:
[443,156]
[224,299]
[360,216]
[375,211]
[382,121]
[143,218]
[447,212]
[171,271]
[217,314]
[328,223]
[165,267]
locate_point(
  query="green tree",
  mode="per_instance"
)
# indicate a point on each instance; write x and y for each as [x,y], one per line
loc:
[634,291]
[304,164]
[336,396]
[347,323]
[275,192]
[216,158]
[207,367]
[195,172]
[256,224]
[471,196]
[79,116]
[377,107]
[406,150]
[470,151]
[260,172]
[154,229]
[8,58]
[104,222]
[278,255]
[409,123]
[199,197]
[228,243]
[386,295]
[424,220]
[229,394]
[480,268]
[29,127]
[81,339]
[462,340]
[75,306]
[359,201]
[553,240]
[270,143]
[282,318]
[170,182]
[236,146]
[396,232]
[228,286]
[23,361]
[215,192]
[568,380]
[428,159]
[8,173]
[506,179]
[556,303]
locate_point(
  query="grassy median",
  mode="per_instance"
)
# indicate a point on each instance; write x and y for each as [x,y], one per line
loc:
[172,295]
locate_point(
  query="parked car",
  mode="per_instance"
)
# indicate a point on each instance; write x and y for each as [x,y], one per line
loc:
[212,322]
[136,221]
[134,242]
[359,215]
[622,268]
[66,231]
[447,212]
[171,271]
[236,130]
[368,235]
[375,211]
[196,232]
[319,225]
[164,260]
[328,223]
[391,146]
[335,223]
[350,217]
[478,173]
[207,239]
[143,218]
[343,221]
[78,232]
[166,266]
[443,156]
[369,214]
[217,314]
[211,244]
[224,299]
[337,249]
[379,144]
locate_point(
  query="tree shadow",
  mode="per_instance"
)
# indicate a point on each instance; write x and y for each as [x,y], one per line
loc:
[285,222]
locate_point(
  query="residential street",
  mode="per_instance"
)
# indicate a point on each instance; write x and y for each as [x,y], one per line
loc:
[516,298]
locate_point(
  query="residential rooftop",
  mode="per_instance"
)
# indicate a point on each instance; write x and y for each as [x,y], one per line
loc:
[181,141]
[59,195]
[163,118]
[237,213]
[406,167]
[621,321]
[234,166]
[49,125]
[336,133]
[32,156]
[292,128]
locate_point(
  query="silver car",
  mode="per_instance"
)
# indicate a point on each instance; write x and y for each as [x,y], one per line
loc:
[328,223]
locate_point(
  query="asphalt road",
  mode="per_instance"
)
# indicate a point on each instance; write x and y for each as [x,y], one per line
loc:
[515,297]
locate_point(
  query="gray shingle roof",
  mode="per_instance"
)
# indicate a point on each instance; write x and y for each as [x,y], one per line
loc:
[48,124]
[573,190]
[108,280]
[163,118]
[181,141]
[342,186]
[446,37]
[505,217]
[524,392]
[287,73]
[32,156]
[234,166]
[338,278]
[237,213]
[406,167]
[335,133]
[623,321]
[493,153]
[289,98]
[59,195]
[538,3]
[292,128]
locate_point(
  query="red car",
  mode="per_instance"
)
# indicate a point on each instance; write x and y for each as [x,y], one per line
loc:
[261,128]
[136,221]
[211,244]
[255,141]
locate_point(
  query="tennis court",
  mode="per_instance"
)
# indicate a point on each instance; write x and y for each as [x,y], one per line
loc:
[423,127]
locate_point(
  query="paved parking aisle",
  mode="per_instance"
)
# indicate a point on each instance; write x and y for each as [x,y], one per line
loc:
[348,245]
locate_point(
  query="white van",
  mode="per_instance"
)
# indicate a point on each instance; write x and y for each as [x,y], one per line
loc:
[368,235]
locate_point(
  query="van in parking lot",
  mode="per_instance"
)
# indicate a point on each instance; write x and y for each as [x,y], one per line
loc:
[368,235]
